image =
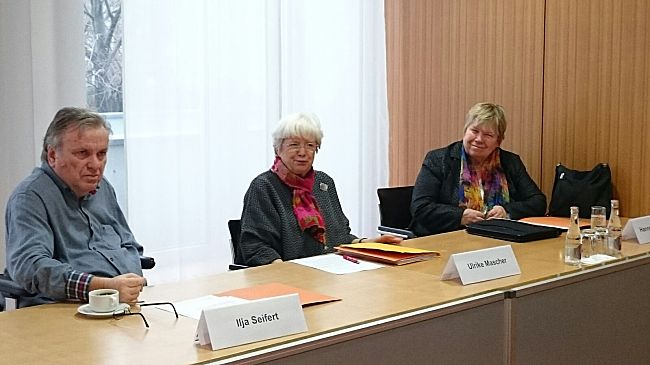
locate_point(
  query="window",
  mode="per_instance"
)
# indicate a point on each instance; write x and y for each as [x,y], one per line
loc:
[103,48]
[197,76]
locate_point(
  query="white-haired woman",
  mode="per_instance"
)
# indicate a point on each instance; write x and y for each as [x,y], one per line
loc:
[293,211]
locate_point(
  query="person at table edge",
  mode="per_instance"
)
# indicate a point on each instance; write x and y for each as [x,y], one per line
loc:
[293,211]
[65,232]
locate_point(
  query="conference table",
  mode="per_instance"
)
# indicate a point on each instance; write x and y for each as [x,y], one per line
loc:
[550,313]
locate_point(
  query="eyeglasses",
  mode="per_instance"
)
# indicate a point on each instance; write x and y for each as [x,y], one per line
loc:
[294,146]
[117,315]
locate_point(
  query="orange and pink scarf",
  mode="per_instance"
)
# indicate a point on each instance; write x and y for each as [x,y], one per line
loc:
[304,205]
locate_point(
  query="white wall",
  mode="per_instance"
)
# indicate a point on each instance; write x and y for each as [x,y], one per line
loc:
[41,53]
[16,126]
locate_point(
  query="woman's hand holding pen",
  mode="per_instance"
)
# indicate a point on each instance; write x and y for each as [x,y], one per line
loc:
[497,211]
[471,216]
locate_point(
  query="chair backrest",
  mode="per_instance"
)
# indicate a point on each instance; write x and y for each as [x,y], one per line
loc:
[234,226]
[10,293]
[583,189]
[147,262]
[395,206]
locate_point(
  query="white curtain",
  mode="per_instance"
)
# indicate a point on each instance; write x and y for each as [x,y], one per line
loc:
[205,83]
[41,70]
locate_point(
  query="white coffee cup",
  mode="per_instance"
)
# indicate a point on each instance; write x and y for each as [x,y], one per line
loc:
[103,300]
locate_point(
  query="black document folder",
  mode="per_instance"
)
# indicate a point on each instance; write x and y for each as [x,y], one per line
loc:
[510,230]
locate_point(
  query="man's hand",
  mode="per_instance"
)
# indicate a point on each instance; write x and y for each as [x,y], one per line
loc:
[129,285]
[385,239]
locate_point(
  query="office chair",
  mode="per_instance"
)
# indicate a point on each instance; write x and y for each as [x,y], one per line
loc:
[395,211]
[234,226]
[11,292]
[147,262]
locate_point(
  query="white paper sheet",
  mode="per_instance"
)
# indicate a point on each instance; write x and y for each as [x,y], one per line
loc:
[336,264]
[192,307]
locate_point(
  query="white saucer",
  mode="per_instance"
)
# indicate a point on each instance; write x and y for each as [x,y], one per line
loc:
[85,309]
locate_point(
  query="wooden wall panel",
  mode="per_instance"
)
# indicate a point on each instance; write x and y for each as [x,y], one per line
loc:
[446,55]
[573,76]
[597,93]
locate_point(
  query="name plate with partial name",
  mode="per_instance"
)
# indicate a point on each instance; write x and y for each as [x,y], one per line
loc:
[482,265]
[256,320]
[637,228]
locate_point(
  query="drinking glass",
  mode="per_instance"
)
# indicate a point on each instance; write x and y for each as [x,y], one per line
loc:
[598,217]
[588,240]
[601,241]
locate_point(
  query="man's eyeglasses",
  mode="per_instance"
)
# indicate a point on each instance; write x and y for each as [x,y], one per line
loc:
[294,146]
[127,312]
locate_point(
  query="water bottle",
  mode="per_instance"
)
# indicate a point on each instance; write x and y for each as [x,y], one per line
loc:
[572,242]
[614,228]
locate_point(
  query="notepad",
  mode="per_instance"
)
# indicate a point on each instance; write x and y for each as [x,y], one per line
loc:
[382,252]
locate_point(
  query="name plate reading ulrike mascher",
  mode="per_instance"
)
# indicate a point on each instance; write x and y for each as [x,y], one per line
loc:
[482,265]
[252,321]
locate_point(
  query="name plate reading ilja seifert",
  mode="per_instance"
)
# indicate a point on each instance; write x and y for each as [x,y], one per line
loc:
[482,265]
[252,321]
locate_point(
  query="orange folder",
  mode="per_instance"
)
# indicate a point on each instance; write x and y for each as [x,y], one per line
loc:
[275,290]
[389,254]
[556,222]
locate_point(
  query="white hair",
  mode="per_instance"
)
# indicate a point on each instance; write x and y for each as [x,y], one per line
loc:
[303,125]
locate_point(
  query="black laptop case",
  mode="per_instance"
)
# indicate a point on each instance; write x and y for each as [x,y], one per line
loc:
[509,230]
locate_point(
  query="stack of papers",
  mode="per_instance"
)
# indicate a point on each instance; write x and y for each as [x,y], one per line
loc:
[382,252]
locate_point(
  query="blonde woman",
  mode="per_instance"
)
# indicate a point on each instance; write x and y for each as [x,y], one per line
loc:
[474,179]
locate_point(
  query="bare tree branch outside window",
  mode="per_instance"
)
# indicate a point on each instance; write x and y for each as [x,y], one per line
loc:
[103,31]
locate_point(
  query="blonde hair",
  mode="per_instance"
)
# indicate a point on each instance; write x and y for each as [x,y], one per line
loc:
[488,114]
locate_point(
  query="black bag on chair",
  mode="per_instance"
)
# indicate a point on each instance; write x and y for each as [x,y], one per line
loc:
[583,189]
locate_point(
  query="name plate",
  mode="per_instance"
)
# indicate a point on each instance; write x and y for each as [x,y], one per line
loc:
[252,321]
[637,228]
[482,265]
